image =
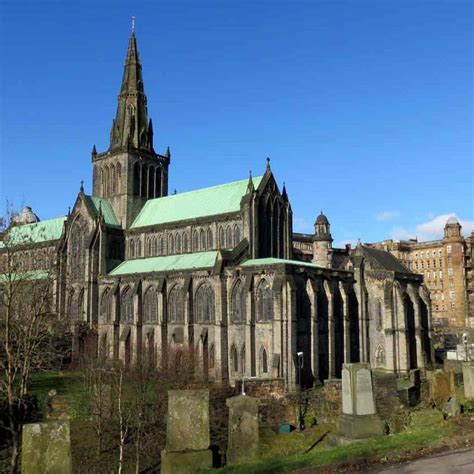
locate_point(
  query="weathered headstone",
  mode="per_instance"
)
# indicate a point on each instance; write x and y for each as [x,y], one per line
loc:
[243,444]
[358,419]
[442,386]
[468,377]
[187,432]
[452,408]
[46,448]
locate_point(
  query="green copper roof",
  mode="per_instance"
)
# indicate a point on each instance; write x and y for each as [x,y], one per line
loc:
[43,231]
[106,209]
[166,264]
[29,275]
[190,205]
[276,261]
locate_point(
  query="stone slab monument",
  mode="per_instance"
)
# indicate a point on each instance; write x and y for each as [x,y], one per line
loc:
[187,432]
[442,386]
[46,448]
[243,443]
[358,418]
[468,377]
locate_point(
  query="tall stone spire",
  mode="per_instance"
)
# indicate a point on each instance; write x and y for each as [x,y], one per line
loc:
[131,128]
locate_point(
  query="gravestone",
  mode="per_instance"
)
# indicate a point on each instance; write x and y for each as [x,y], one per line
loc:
[187,432]
[358,418]
[46,448]
[468,377]
[243,444]
[442,386]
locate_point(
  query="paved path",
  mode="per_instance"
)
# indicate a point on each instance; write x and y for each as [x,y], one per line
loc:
[457,462]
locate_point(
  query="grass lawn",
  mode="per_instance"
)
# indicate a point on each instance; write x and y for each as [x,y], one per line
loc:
[371,449]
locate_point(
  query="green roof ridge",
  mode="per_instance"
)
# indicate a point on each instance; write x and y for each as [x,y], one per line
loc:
[36,232]
[167,263]
[210,201]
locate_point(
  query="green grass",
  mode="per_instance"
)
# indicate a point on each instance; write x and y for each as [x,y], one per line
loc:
[371,449]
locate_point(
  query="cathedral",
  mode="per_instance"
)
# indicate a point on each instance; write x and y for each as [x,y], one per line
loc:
[219,270]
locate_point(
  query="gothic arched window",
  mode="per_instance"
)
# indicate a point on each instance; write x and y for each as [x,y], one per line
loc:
[238,303]
[236,235]
[264,302]
[242,360]
[264,360]
[106,306]
[210,242]
[136,179]
[113,179]
[170,244]
[221,237]
[139,248]
[148,247]
[76,249]
[162,246]
[119,176]
[185,242]
[212,356]
[195,241]
[155,246]
[234,359]
[126,306]
[175,305]
[228,237]
[150,306]
[204,304]
[75,306]
[202,239]
[178,243]
[132,248]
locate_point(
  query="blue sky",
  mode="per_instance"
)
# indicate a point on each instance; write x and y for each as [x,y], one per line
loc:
[365,107]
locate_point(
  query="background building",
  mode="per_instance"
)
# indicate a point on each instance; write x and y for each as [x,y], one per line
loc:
[446,265]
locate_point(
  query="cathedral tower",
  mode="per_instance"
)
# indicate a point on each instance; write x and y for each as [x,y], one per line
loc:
[130,171]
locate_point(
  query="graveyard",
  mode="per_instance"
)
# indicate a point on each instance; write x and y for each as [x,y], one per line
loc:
[366,417]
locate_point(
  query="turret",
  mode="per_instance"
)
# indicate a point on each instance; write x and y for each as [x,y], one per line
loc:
[322,242]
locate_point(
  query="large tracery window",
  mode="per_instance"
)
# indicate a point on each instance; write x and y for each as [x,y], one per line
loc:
[176,305]
[126,306]
[238,303]
[76,248]
[204,304]
[264,302]
[106,306]
[150,306]
[75,305]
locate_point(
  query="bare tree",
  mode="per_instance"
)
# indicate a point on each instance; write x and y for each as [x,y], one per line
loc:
[29,329]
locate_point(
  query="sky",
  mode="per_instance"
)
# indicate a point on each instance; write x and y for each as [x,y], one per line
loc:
[365,107]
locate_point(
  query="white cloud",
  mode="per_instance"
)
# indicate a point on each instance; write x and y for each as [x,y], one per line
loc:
[386,215]
[432,229]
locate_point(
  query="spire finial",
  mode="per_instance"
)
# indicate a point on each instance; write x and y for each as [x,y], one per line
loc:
[133,25]
[69,210]
[81,189]
[268,163]
[175,191]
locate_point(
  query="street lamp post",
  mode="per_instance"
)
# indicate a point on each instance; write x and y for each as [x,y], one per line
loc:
[300,411]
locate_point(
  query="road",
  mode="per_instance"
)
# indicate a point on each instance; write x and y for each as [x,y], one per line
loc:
[454,462]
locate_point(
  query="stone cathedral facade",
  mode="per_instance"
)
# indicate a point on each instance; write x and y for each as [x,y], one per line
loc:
[219,270]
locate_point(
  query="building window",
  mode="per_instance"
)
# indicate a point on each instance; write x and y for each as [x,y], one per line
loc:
[264,302]
[106,306]
[195,241]
[150,306]
[211,356]
[204,304]
[185,242]
[126,307]
[264,360]
[228,237]
[175,305]
[210,240]
[203,240]
[178,243]
[221,237]
[448,248]
[238,302]
[236,235]
[234,359]
[132,248]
